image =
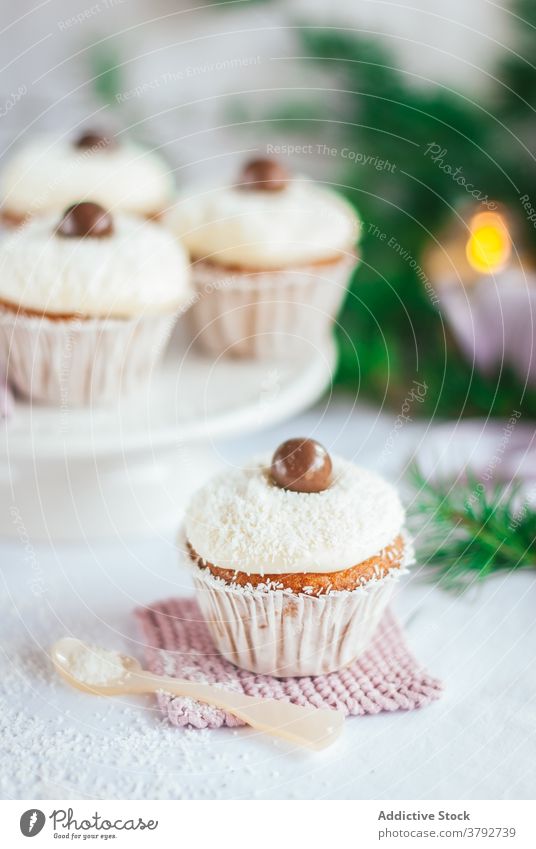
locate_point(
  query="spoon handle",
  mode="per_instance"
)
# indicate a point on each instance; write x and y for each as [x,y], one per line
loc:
[307,726]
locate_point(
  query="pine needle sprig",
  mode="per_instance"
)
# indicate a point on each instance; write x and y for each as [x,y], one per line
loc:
[465,531]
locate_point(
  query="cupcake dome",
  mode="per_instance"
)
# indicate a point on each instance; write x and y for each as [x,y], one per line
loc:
[242,520]
[49,174]
[313,546]
[272,258]
[136,268]
[87,304]
[250,227]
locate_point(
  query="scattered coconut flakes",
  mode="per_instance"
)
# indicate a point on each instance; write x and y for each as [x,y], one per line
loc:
[118,751]
[93,664]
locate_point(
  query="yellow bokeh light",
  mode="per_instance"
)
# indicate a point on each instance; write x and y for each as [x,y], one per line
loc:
[489,246]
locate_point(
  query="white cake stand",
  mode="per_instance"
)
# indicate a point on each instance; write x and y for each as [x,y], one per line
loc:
[75,473]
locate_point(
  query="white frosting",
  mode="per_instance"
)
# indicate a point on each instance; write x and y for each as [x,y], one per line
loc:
[242,521]
[300,224]
[138,269]
[50,175]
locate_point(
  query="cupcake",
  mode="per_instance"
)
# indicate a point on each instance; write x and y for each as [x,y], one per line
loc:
[272,257]
[295,560]
[48,175]
[87,302]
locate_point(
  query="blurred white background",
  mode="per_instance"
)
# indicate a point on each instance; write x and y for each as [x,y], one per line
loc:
[189,71]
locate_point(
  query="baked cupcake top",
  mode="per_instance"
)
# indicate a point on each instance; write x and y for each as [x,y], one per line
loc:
[50,174]
[267,220]
[250,520]
[93,264]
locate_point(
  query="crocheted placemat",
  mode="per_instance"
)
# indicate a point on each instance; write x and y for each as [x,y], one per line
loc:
[178,643]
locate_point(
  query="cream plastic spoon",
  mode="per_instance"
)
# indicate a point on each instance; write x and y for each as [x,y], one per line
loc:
[307,726]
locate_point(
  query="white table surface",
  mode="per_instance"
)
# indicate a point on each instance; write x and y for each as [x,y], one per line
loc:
[477,742]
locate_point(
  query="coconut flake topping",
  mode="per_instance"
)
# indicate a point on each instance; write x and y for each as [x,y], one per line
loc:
[241,520]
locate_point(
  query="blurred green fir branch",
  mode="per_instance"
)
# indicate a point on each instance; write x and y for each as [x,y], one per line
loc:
[386,115]
[105,69]
[464,533]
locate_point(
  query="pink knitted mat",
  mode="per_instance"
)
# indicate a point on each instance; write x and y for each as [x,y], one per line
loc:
[386,677]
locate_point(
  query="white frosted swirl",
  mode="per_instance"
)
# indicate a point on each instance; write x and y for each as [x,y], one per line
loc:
[49,175]
[139,269]
[241,520]
[300,224]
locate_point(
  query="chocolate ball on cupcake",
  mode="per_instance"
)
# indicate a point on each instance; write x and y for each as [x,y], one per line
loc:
[295,558]
[48,175]
[272,256]
[87,302]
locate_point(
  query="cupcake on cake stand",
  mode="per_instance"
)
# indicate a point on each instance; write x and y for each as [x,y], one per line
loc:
[131,467]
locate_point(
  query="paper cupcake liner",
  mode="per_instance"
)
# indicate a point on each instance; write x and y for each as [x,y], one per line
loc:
[266,313]
[78,362]
[276,632]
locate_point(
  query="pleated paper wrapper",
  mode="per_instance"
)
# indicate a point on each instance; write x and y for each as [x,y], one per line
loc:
[263,314]
[276,632]
[80,362]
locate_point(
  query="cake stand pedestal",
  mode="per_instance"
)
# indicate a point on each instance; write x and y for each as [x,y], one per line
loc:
[67,474]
